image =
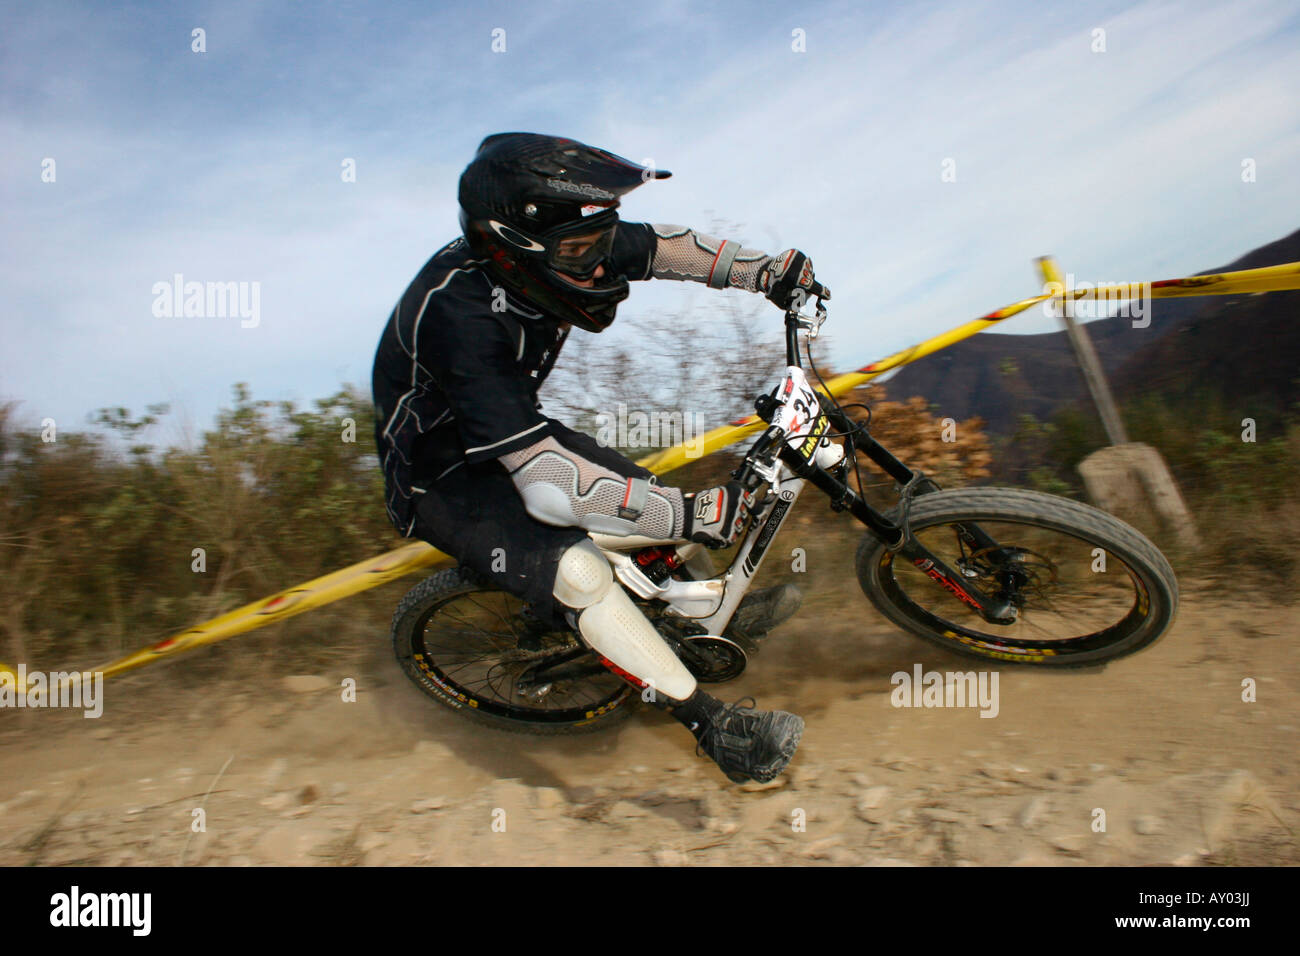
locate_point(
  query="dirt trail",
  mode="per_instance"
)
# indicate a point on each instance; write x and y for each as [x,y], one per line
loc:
[1184,770]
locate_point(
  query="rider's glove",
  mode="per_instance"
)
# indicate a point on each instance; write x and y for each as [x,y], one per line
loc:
[715,517]
[788,273]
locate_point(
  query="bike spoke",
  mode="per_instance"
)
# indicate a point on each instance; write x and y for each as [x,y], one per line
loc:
[1060,598]
[474,643]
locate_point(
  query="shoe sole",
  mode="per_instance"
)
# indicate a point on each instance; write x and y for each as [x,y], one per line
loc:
[788,748]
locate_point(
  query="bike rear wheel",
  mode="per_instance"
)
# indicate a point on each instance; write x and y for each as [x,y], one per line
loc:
[1088,588]
[469,646]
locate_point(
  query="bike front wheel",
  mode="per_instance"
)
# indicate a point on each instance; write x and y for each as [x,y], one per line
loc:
[1087,587]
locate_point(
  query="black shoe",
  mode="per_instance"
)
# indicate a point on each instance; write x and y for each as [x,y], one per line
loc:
[762,610]
[749,744]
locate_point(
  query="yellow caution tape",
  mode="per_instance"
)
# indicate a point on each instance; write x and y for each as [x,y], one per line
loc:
[418,555]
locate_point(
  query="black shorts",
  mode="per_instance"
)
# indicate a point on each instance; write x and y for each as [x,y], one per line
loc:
[475,514]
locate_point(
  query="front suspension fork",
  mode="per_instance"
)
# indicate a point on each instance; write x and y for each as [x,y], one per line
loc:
[994,609]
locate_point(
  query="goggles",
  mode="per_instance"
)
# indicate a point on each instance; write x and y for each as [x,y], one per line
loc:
[579,256]
[579,246]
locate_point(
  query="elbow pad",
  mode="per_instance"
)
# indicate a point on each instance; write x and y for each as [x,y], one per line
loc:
[560,487]
[682,253]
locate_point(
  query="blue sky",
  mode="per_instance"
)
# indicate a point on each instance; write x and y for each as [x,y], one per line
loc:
[225,165]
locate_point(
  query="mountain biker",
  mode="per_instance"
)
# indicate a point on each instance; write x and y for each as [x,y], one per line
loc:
[474,468]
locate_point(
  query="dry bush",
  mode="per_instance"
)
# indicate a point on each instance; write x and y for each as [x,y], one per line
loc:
[913,434]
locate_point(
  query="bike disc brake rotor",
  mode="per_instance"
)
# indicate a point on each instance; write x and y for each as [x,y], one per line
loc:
[1070,602]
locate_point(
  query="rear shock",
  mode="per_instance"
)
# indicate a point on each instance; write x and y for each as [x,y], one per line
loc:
[658,563]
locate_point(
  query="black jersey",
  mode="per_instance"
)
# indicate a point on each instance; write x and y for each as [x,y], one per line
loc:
[459,365]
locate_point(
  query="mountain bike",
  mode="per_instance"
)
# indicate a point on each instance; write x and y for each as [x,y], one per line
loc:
[1006,575]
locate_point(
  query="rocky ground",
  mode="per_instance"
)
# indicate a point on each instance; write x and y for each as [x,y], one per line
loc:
[1160,748]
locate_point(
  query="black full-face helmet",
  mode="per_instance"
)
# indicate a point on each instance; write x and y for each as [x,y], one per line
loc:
[540,208]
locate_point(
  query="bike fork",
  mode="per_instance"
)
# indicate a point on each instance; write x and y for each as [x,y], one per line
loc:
[995,610]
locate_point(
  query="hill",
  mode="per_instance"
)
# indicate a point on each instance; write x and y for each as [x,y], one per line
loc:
[1222,341]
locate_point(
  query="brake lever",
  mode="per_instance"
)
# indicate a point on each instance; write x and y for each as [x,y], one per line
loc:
[760,463]
[811,323]
[818,318]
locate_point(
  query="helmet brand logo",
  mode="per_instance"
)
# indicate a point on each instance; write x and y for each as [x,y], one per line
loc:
[515,238]
[581,189]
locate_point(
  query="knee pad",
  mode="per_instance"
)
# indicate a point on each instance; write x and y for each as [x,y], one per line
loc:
[583,576]
[614,626]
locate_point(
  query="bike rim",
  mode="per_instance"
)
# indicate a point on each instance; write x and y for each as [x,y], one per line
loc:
[468,647]
[1076,601]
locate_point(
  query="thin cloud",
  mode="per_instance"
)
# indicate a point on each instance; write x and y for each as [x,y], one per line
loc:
[226,165]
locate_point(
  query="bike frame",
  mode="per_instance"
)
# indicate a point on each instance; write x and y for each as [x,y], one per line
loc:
[712,602]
